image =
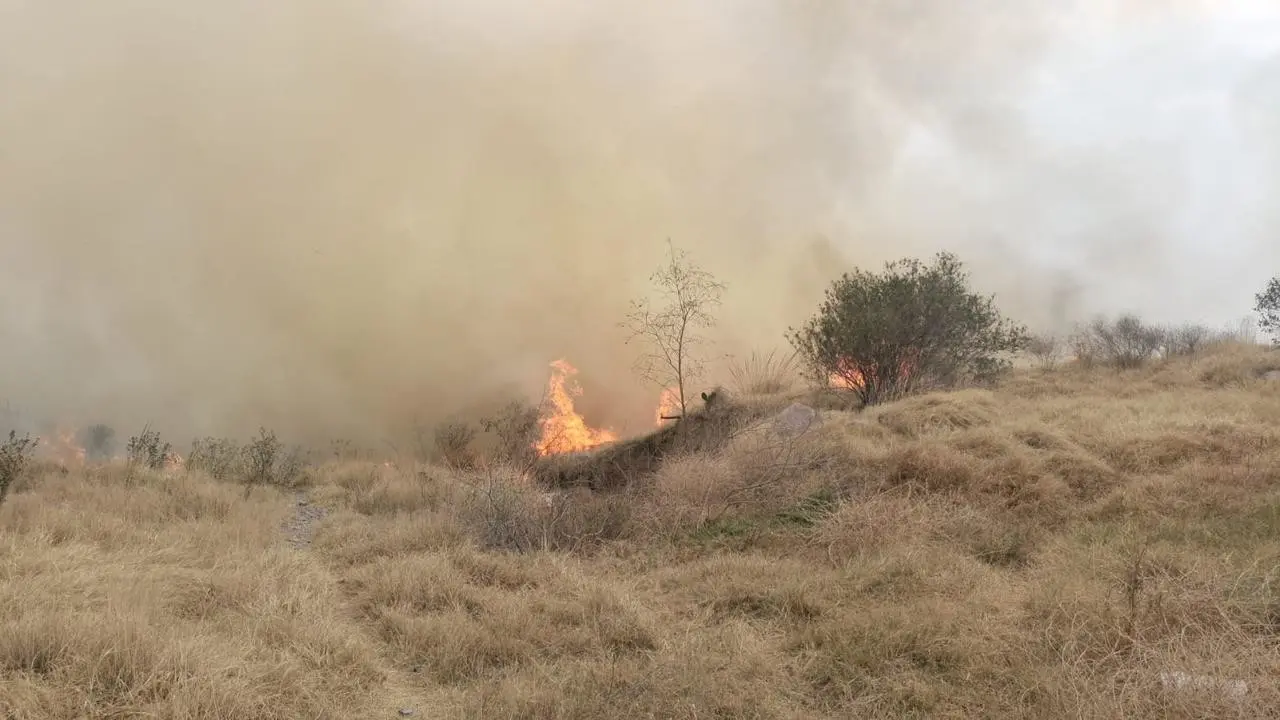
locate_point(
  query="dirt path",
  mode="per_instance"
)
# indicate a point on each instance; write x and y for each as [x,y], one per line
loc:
[404,698]
[300,528]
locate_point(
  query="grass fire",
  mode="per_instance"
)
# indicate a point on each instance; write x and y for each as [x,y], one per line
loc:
[1040,537]
[754,360]
[563,430]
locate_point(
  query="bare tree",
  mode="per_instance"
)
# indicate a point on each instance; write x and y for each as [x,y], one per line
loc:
[1046,349]
[687,295]
[1125,342]
[1187,339]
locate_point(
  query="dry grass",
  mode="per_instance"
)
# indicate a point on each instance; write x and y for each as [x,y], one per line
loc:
[768,373]
[1047,548]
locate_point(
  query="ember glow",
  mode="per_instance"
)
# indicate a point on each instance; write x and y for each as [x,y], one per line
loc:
[563,429]
[846,377]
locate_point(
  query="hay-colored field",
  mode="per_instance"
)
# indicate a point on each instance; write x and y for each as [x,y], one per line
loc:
[1070,544]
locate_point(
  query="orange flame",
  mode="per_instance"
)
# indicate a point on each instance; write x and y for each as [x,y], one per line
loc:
[63,448]
[847,377]
[668,406]
[563,429]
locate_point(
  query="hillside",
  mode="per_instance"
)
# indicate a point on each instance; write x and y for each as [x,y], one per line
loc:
[1071,543]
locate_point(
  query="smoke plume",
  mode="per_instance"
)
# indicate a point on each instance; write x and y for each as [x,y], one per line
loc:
[338,218]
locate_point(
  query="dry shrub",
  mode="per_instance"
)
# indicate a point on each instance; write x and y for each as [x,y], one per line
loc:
[870,524]
[129,600]
[513,433]
[1189,340]
[1237,366]
[760,475]
[461,619]
[915,656]
[933,467]
[1114,617]
[1086,475]
[503,509]
[939,413]
[688,491]
[107,664]
[452,444]
[351,539]
[1126,342]
[1046,349]
[745,587]
[727,671]
[995,537]
[1149,452]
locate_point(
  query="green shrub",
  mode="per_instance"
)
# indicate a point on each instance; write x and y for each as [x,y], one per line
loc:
[221,458]
[913,326]
[267,462]
[1268,308]
[14,455]
[148,450]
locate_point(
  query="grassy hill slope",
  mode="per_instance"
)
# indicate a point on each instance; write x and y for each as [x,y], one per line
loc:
[1073,543]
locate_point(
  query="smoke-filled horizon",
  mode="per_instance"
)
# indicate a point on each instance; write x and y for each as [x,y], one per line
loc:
[337,218]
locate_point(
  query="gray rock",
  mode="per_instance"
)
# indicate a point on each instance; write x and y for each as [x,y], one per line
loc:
[1272,375]
[406,712]
[796,419]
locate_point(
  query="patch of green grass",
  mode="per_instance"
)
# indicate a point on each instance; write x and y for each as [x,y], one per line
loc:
[724,528]
[810,511]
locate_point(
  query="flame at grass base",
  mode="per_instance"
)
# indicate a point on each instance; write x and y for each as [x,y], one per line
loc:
[563,430]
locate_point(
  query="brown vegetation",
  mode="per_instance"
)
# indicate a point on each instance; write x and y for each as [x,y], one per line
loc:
[1070,543]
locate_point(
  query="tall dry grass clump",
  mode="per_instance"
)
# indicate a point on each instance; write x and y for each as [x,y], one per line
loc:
[770,373]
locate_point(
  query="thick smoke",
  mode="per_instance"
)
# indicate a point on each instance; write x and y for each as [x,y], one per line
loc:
[336,218]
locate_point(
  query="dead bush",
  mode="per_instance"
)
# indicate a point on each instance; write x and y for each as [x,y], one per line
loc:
[514,430]
[453,444]
[1046,350]
[1188,340]
[503,510]
[1124,343]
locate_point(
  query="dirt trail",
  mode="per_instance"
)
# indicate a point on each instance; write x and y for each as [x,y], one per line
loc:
[404,697]
[301,527]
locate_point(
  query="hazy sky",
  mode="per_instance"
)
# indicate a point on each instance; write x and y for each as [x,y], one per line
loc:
[333,217]
[1144,171]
